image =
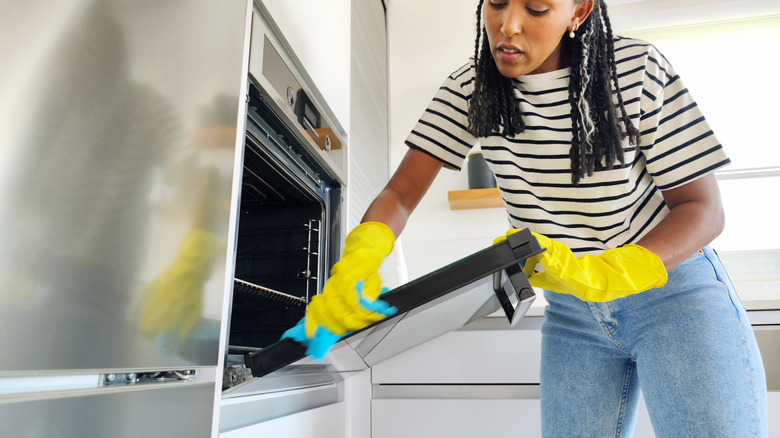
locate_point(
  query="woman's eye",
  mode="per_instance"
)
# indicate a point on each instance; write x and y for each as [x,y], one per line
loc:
[497,5]
[537,12]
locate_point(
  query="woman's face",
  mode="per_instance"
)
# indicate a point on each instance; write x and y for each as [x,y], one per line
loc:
[525,35]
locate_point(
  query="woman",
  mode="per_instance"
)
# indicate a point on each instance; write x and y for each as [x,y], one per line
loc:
[597,146]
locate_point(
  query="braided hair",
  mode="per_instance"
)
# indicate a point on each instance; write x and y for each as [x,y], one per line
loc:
[595,117]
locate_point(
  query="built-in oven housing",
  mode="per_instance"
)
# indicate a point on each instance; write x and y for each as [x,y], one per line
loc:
[290,210]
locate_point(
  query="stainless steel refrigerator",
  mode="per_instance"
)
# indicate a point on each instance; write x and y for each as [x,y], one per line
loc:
[119,126]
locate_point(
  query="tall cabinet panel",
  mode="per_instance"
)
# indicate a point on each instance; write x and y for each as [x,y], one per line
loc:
[369,161]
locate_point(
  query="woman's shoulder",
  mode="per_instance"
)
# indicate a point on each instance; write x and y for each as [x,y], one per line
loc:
[464,73]
[632,47]
[632,52]
[461,79]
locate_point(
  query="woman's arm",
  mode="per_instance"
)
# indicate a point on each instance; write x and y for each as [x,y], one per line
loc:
[695,219]
[404,191]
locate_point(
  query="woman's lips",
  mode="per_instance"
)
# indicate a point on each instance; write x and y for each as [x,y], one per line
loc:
[509,53]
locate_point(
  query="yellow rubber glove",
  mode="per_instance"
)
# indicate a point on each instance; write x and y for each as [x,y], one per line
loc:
[173,301]
[615,273]
[338,307]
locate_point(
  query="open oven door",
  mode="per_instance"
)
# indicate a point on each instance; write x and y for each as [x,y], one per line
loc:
[437,303]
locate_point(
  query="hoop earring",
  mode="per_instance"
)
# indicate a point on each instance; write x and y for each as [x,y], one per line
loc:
[573,29]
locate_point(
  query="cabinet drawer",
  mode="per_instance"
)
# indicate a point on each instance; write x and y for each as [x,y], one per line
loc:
[454,418]
[482,356]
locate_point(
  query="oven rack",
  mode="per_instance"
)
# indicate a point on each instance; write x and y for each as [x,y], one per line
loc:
[267,293]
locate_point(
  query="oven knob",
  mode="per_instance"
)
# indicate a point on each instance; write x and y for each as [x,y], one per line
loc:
[290,96]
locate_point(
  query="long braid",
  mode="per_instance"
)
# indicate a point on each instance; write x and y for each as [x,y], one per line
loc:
[597,133]
[631,131]
[597,136]
[576,94]
[492,109]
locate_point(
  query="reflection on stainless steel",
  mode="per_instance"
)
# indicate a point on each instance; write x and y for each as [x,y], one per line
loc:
[102,176]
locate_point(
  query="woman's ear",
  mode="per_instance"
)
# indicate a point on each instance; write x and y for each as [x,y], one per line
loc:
[582,11]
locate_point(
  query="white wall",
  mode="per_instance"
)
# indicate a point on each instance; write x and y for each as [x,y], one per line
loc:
[725,67]
[649,14]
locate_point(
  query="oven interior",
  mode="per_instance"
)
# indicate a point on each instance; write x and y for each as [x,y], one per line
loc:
[288,213]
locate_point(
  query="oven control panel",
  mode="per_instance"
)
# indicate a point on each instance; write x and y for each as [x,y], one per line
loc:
[286,87]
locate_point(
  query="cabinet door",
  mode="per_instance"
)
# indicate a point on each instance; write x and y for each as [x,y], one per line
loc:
[490,356]
[411,418]
[324,422]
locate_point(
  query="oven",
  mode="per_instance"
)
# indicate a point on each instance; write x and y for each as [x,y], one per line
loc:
[290,214]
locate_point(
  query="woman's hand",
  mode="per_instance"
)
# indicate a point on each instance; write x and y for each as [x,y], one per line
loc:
[615,273]
[338,307]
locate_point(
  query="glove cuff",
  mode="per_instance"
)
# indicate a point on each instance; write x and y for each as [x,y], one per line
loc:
[374,234]
[654,264]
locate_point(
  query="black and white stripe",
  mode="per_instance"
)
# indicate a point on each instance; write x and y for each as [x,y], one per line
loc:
[533,169]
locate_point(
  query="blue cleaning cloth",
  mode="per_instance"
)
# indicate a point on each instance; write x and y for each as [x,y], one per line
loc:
[318,346]
[323,340]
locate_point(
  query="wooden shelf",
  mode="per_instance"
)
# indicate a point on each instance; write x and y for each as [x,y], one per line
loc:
[475,198]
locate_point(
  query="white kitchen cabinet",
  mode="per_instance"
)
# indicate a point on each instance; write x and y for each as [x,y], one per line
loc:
[478,381]
[483,380]
[464,418]
[421,418]
[324,422]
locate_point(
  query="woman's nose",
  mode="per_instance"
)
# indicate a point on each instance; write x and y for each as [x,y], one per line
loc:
[512,20]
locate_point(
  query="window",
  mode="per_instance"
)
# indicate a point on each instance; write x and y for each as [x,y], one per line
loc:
[731,74]
[730,70]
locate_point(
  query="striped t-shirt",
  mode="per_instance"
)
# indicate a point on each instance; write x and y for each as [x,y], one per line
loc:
[533,169]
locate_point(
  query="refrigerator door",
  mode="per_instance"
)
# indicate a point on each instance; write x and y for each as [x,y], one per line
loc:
[118,133]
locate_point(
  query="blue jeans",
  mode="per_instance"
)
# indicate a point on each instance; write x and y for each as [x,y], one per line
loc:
[688,347]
